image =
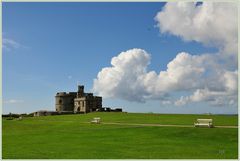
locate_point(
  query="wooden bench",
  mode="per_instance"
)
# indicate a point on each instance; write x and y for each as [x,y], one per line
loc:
[96,120]
[204,123]
[20,118]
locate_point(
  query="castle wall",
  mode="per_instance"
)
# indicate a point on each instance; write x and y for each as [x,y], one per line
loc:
[65,101]
[80,105]
[77,101]
[45,113]
[87,104]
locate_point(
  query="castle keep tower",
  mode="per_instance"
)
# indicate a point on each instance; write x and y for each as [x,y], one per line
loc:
[80,92]
[64,101]
[77,101]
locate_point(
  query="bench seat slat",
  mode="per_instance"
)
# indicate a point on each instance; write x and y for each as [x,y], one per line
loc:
[96,120]
[203,122]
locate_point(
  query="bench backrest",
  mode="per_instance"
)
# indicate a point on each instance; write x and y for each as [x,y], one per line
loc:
[96,118]
[204,120]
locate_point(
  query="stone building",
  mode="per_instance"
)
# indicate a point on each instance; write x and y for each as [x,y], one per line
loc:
[65,101]
[44,113]
[77,102]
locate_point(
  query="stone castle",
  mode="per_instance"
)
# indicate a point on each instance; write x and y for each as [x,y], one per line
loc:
[77,102]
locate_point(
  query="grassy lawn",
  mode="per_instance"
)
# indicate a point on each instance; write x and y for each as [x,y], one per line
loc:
[69,137]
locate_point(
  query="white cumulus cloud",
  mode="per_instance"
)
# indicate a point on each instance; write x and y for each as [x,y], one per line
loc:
[212,23]
[128,78]
[209,77]
[215,98]
[122,80]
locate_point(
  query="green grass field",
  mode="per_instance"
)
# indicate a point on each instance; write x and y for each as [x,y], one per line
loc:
[73,137]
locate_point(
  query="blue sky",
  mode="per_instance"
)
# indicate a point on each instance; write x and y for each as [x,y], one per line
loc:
[52,46]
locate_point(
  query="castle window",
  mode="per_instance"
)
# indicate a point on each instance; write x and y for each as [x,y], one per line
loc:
[60,101]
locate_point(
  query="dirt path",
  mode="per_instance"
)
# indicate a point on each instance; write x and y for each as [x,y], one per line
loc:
[137,124]
[161,125]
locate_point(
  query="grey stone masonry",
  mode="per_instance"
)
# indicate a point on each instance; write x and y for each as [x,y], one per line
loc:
[77,102]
